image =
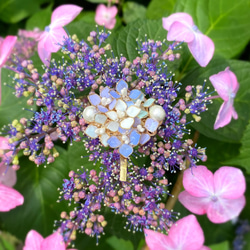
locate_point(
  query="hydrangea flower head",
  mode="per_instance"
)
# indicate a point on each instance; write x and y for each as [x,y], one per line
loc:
[54,34]
[106,16]
[122,119]
[9,197]
[226,84]
[34,241]
[186,234]
[181,28]
[219,195]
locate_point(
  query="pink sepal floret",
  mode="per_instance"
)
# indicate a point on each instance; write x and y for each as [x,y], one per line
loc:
[186,234]
[35,241]
[220,196]
[181,28]
[9,197]
[52,38]
[106,16]
[226,85]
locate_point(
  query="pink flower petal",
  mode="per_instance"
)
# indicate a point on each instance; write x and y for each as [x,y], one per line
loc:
[7,175]
[182,17]
[224,210]
[225,114]
[198,181]
[64,14]
[43,54]
[187,234]
[34,34]
[9,198]
[180,32]
[205,248]
[202,49]
[225,83]
[55,39]
[196,205]
[229,182]
[4,143]
[158,241]
[52,242]
[33,241]
[6,47]
[106,16]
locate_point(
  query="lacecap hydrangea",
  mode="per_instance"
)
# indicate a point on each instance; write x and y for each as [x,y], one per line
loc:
[130,118]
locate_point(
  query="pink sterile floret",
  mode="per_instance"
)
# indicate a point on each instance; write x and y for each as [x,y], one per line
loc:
[186,234]
[106,16]
[181,28]
[52,38]
[9,197]
[35,241]
[219,195]
[6,45]
[226,85]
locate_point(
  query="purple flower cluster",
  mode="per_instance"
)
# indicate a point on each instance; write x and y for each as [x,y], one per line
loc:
[61,92]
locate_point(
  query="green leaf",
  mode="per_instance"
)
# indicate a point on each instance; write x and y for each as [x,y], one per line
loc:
[133,11]
[11,107]
[120,244]
[86,16]
[220,246]
[13,11]
[40,19]
[226,22]
[233,132]
[158,8]
[218,152]
[243,159]
[80,28]
[39,187]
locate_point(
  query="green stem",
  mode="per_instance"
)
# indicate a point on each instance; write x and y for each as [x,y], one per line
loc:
[185,67]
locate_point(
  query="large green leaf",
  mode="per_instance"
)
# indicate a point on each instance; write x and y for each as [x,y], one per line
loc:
[11,107]
[39,187]
[234,131]
[243,159]
[12,11]
[220,246]
[218,152]
[80,28]
[225,21]
[133,11]
[120,244]
[40,19]
[158,8]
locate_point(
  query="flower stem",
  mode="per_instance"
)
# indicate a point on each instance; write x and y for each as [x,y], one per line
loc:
[184,68]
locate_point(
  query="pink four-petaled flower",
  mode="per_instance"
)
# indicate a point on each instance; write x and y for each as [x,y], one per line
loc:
[6,46]
[185,235]
[106,16]
[52,38]
[9,197]
[35,241]
[226,84]
[181,28]
[219,195]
